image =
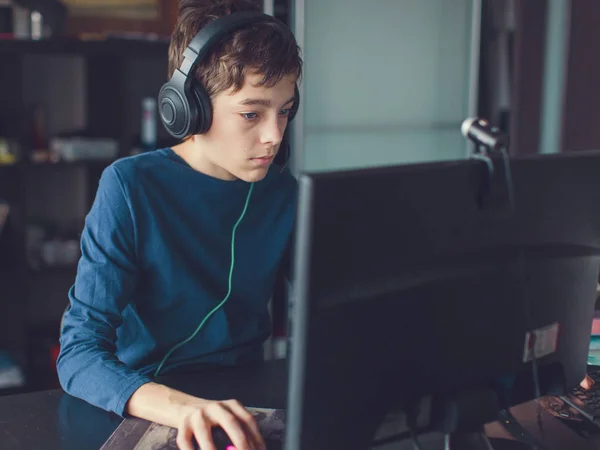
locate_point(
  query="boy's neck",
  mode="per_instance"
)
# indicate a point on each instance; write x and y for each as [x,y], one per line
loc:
[196,159]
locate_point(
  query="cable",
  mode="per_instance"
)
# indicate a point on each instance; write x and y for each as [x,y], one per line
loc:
[411,424]
[216,308]
[483,155]
[388,440]
[411,421]
[508,179]
[397,438]
[416,444]
[527,300]
[528,319]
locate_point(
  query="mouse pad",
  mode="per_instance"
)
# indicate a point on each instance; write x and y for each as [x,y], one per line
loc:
[138,434]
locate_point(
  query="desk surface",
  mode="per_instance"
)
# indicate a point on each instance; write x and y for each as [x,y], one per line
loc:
[53,420]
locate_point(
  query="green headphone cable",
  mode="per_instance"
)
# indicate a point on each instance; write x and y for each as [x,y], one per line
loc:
[216,308]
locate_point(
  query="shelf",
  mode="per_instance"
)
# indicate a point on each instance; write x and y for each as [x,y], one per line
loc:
[109,78]
[84,163]
[54,270]
[110,46]
[87,163]
[14,390]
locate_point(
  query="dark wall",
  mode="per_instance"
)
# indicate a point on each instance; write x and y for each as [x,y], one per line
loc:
[529,44]
[581,109]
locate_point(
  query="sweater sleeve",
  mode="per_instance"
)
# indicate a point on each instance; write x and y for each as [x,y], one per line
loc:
[106,279]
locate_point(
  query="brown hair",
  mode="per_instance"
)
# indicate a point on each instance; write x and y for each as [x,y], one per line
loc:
[262,47]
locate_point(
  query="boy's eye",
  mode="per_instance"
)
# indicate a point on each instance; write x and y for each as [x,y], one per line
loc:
[249,116]
[285,112]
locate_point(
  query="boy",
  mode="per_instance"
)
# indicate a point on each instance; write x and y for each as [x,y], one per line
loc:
[158,241]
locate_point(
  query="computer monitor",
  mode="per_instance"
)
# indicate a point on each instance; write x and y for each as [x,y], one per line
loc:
[412,288]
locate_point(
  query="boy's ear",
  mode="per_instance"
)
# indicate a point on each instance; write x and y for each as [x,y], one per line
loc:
[283,155]
[296,104]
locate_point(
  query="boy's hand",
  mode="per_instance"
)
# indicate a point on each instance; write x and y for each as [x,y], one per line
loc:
[199,417]
[194,418]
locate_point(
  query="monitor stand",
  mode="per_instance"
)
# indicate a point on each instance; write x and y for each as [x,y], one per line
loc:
[457,423]
[468,441]
[479,441]
[462,417]
[462,441]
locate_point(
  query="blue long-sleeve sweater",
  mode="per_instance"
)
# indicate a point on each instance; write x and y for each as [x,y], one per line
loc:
[156,253]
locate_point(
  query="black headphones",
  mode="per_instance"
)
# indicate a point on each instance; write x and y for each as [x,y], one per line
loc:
[183,103]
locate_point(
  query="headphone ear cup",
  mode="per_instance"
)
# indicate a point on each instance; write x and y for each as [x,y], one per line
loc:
[294,109]
[203,108]
[174,110]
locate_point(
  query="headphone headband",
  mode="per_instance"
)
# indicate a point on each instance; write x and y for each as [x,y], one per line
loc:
[184,105]
[210,35]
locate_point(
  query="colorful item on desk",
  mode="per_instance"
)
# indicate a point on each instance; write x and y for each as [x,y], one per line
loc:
[594,351]
[596,325]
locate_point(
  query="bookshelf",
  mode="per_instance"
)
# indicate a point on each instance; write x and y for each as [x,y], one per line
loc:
[95,87]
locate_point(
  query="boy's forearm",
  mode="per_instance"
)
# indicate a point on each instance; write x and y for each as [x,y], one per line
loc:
[161,404]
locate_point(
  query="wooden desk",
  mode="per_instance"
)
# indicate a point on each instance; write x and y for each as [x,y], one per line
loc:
[53,420]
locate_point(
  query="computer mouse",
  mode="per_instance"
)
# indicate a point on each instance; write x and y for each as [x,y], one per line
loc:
[271,423]
[220,439]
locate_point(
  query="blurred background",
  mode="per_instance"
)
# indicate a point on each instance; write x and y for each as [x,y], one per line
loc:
[385,82]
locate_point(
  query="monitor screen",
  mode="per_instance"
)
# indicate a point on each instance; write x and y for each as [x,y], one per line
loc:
[410,286]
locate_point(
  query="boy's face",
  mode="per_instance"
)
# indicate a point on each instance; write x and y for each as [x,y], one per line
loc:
[247,129]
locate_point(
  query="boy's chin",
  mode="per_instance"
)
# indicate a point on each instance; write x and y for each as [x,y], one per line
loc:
[252,176]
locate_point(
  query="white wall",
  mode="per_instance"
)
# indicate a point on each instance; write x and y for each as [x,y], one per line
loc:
[385,81]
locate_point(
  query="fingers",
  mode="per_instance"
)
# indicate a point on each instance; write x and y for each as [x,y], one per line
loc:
[202,430]
[235,420]
[248,421]
[222,416]
[184,438]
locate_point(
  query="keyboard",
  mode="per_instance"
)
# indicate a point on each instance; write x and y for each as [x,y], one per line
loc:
[587,402]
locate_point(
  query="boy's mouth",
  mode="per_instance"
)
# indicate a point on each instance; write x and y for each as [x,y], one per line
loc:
[263,160]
